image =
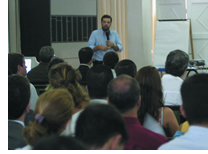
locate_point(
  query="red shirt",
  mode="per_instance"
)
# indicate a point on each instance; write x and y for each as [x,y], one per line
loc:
[141,138]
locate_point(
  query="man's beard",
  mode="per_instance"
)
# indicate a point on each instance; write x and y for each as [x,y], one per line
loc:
[105,29]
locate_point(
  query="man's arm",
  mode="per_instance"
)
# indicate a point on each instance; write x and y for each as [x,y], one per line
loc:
[92,42]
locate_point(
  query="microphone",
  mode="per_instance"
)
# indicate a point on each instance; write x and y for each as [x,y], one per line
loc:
[107,34]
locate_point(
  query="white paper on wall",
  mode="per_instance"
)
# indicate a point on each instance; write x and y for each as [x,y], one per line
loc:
[170,35]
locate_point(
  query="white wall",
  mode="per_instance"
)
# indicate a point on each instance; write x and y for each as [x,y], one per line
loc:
[69,51]
[139,31]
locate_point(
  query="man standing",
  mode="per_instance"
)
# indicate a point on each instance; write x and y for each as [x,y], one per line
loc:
[104,40]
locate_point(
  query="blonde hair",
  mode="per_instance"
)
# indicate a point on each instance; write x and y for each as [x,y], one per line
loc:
[56,107]
[64,75]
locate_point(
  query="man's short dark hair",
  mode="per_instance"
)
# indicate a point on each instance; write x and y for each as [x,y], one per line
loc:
[46,53]
[97,79]
[110,59]
[55,142]
[106,16]
[18,96]
[15,59]
[85,55]
[194,92]
[123,93]
[126,66]
[176,62]
[98,123]
[54,62]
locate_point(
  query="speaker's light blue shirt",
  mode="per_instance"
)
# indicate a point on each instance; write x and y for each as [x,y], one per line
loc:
[98,37]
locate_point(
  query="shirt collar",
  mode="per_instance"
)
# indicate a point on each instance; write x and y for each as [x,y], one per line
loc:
[18,121]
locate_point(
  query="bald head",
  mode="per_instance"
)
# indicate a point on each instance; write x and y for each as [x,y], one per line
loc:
[123,92]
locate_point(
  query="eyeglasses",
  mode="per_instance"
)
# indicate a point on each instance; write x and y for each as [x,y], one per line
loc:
[108,22]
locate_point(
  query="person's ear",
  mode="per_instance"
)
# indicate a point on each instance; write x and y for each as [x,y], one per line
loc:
[139,101]
[19,68]
[115,142]
[28,107]
[182,111]
[87,89]
[112,143]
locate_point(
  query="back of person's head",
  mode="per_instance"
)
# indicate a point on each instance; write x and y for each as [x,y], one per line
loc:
[195,99]
[55,142]
[15,59]
[85,55]
[110,59]
[46,53]
[97,79]
[106,16]
[53,110]
[176,62]
[18,96]
[151,92]
[64,75]
[54,61]
[98,123]
[126,66]
[123,93]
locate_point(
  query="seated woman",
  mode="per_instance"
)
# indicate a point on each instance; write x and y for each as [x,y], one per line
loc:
[63,75]
[152,101]
[53,111]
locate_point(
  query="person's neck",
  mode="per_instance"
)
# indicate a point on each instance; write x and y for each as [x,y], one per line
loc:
[201,125]
[130,113]
[22,118]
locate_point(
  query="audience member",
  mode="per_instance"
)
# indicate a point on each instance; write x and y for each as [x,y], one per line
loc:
[64,75]
[175,67]
[124,94]
[16,64]
[60,143]
[97,78]
[195,108]
[53,62]
[18,107]
[53,111]
[110,59]
[39,74]
[101,127]
[152,103]
[85,59]
[126,66]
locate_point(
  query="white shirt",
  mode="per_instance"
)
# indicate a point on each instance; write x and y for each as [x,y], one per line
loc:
[196,138]
[33,97]
[70,128]
[18,121]
[171,89]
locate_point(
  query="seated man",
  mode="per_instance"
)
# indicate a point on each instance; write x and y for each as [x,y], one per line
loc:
[126,66]
[110,59]
[195,109]
[16,64]
[124,94]
[175,67]
[39,74]
[18,107]
[85,59]
[101,127]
